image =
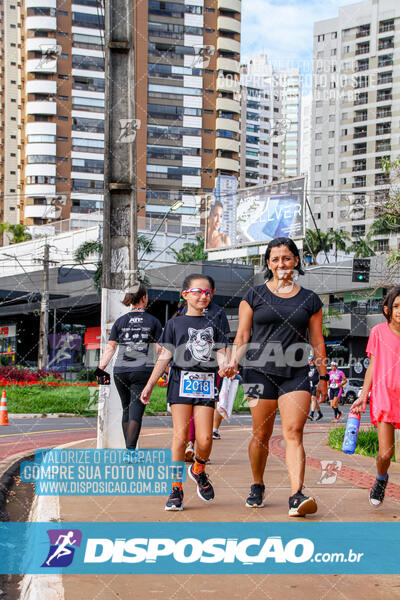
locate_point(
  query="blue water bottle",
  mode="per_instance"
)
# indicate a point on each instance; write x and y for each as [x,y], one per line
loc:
[351,433]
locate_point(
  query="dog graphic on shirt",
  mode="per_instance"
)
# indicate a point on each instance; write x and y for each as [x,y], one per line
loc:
[200,343]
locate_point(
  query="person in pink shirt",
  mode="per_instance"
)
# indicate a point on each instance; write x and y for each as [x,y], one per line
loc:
[382,381]
[337,381]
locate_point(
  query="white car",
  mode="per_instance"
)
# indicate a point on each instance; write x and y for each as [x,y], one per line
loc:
[351,390]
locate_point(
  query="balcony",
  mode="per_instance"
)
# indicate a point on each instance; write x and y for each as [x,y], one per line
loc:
[386,43]
[42,23]
[362,49]
[40,189]
[39,169]
[222,143]
[229,65]
[228,124]
[383,113]
[41,148]
[228,45]
[360,134]
[226,164]
[39,43]
[228,24]
[232,5]
[361,99]
[363,31]
[41,86]
[361,150]
[41,129]
[41,4]
[39,65]
[228,105]
[360,117]
[360,166]
[41,211]
[228,84]
[41,108]
[388,26]
[359,182]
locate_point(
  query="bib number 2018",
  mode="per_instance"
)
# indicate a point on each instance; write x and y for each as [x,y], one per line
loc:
[197,385]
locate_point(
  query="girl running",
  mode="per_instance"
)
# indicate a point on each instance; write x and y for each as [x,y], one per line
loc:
[192,343]
[383,381]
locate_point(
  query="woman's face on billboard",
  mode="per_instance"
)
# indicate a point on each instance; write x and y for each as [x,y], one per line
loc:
[216,217]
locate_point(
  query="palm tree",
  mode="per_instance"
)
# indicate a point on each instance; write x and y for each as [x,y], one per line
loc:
[362,247]
[316,242]
[338,239]
[95,247]
[191,251]
[19,233]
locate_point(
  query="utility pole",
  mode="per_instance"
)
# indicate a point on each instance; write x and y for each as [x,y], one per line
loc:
[44,311]
[120,126]
[120,257]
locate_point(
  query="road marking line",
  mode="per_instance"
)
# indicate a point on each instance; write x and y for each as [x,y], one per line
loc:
[46,431]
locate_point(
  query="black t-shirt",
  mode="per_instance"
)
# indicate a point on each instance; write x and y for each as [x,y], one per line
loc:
[193,342]
[216,316]
[279,330]
[135,333]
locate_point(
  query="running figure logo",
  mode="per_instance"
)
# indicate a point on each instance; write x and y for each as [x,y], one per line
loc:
[329,471]
[62,547]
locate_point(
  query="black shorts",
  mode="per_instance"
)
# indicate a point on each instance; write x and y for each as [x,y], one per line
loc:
[271,387]
[334,392]
[173,392]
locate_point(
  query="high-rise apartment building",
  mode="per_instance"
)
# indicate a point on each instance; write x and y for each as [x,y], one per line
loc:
[290,84]
[187,66]
[306,136]
[187,74]
[62,110]
[261,135]
[356,109]
[9,117]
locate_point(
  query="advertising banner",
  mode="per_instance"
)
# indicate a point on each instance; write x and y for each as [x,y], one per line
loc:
[260,214]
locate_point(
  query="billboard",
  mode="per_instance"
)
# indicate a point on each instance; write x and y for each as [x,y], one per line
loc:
[260,214]
[221,213]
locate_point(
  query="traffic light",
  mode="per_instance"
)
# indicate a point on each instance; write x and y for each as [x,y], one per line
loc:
[361,268]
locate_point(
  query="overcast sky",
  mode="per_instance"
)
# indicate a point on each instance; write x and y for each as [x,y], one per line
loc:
[283,29]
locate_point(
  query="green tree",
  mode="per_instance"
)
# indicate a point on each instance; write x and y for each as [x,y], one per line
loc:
[18,233]
[329,313]
[314,243]
[95,247]
[338,239]
[385,225]
[191,251]
[362,247]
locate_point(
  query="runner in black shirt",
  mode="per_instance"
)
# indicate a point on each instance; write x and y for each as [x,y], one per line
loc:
[275,318]
[196,349]
[314,380]
[134,334]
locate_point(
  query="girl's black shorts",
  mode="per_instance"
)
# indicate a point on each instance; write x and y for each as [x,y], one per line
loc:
[173,396]
[271,387]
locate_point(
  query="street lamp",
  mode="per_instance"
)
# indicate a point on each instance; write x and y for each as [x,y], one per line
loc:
[172,208]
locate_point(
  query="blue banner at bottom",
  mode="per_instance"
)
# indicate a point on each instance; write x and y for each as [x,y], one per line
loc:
[200,548]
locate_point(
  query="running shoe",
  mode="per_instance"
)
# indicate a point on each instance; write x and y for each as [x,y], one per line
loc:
[377,492]
[256,496]
[189,452]
[205,490]
[310,417]
[318,417]
[216,434]
[300,505]
[175,500]
[339,417]
[334,420]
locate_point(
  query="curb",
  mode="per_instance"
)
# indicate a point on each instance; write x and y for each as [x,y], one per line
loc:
[56,415]
[37,587]
[8,471]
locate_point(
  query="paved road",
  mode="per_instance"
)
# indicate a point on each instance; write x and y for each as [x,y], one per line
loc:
[27,434]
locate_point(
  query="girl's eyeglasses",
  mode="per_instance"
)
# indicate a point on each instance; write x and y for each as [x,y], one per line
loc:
[199,292]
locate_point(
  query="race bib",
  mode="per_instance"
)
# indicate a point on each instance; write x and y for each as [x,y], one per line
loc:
[334,385]
[196,385]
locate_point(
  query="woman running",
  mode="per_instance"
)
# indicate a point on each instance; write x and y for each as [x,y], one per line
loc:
[133,334]
[337,381]
[275,317]
[383,381]
[196,348]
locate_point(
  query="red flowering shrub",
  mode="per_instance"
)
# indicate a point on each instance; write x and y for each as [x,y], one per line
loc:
[20,374]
